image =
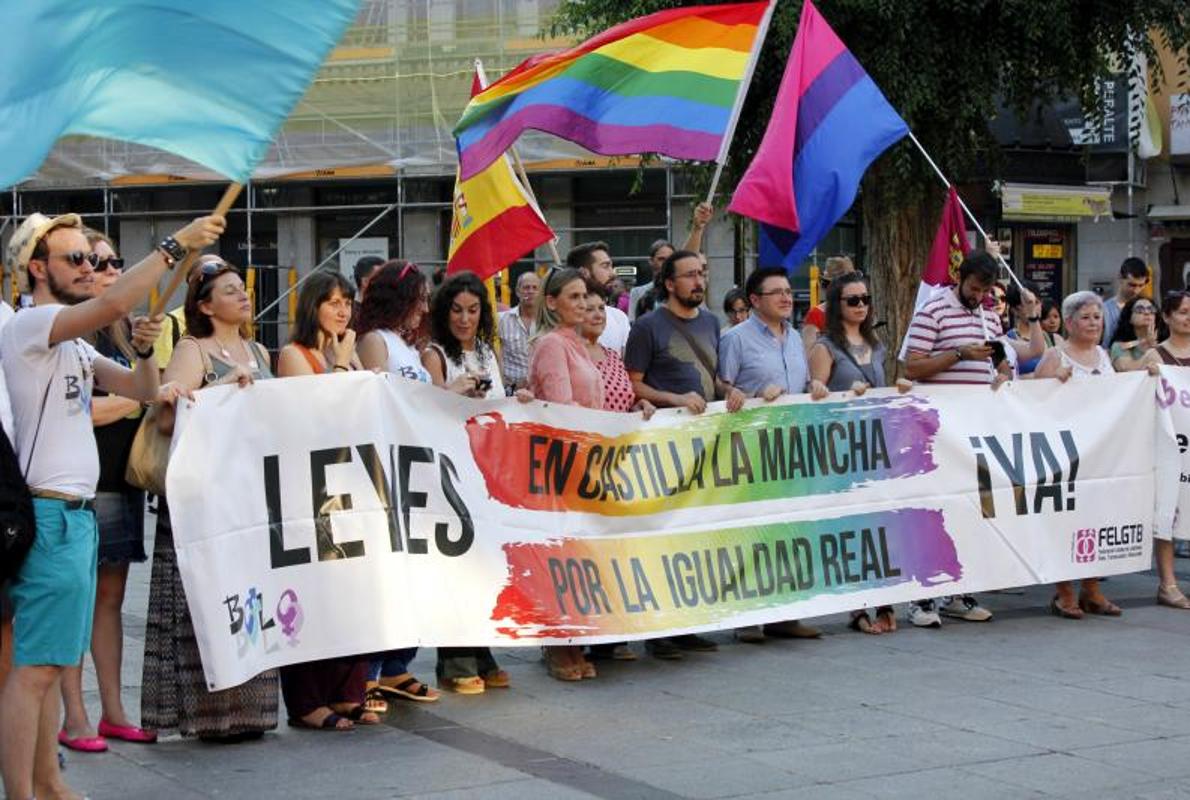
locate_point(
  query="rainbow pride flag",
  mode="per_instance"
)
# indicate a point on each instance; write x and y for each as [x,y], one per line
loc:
[666,83]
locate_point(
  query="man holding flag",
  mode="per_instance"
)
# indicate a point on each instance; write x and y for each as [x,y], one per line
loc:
[51,372]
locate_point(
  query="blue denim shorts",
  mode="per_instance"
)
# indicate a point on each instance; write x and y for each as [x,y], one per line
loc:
[121,520]
[53,596]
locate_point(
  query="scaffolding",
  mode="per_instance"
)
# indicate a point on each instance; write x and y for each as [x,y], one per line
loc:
[387,97]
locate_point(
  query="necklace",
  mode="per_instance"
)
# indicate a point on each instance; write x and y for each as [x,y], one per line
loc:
[223,351]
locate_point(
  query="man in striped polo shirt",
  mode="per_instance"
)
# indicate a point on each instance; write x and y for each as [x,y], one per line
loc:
[950,341]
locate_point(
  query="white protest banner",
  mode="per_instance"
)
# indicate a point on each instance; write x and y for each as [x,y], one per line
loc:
[1172,450]
[351,513]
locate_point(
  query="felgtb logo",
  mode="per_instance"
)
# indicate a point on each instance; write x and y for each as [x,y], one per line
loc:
[1084,546]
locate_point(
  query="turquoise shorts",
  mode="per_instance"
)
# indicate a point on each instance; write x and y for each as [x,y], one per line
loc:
[53,596]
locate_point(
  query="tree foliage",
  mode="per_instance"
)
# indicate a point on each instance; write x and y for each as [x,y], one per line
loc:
[944,63]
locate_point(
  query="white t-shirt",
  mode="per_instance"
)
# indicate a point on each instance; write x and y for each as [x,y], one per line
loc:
[480,361]
[403,359]
[5,405]
[65,458]
[615,332]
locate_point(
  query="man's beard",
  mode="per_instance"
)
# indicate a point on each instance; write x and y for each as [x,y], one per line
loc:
[63,294]
[690,301]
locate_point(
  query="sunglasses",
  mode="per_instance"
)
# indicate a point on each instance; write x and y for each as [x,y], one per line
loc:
[857,300]
[111,262]
[204,273]
[77,257]
[405,270]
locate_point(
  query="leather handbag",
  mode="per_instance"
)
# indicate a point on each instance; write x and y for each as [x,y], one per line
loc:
[149,456]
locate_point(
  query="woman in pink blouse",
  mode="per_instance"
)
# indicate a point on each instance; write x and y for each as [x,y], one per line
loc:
[561,371]
[618,395]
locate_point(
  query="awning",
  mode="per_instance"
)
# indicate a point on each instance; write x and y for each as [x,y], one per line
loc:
[1169,213]
[1038,203]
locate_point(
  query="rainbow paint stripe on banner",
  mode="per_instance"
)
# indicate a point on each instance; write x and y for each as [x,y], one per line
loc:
[596,586]
[665,83]
[760,453]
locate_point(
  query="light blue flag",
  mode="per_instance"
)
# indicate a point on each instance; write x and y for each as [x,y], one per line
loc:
[208,80]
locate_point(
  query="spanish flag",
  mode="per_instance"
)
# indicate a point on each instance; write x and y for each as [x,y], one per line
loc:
[494,221]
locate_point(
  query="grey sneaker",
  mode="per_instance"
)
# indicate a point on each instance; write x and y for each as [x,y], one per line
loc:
[750,634]
[665,649]
[966,608]
[695,643]
[923,614]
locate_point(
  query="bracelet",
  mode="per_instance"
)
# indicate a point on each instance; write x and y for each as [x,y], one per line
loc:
[341,367]
[145,355]
[1034,319]
[172,250]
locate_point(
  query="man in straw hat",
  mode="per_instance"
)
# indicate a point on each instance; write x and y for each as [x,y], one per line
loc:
[51,371]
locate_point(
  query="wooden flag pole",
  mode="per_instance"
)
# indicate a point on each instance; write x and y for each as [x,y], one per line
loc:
[753,57]
[182,270]
[520,171]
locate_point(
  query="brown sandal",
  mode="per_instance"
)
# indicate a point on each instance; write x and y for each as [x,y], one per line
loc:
[1065,612]
[1100,606]
[558,666]
[861,622]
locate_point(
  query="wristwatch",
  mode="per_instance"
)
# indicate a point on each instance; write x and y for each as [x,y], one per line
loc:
[958,354]
[145,355]
[172,250]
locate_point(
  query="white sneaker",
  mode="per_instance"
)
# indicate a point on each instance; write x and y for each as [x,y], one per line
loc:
[922,614]
[966,608]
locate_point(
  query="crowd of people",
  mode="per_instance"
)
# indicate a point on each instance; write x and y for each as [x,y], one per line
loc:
[80,365]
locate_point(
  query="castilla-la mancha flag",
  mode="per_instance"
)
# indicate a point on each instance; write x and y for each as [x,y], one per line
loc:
[494,221]
[950,245]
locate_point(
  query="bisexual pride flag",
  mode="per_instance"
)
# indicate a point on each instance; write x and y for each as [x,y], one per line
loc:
[829,123]
[208,80]
[666,83]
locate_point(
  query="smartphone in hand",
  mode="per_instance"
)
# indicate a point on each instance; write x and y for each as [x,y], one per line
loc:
[998,352]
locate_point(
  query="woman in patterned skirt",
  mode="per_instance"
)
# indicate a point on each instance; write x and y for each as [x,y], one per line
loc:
[174,695]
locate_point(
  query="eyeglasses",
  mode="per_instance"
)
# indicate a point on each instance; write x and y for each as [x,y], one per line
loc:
[76,258]
[1144,310]
[780,292]
[111,262]
[857,300]
[698,274]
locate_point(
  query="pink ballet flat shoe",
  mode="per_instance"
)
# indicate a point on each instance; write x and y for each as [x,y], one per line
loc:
[127,733]
[83,744]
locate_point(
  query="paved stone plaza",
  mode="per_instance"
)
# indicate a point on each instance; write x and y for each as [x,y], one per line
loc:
[1026,706]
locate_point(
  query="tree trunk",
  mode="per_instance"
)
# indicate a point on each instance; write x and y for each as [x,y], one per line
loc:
[898,236]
